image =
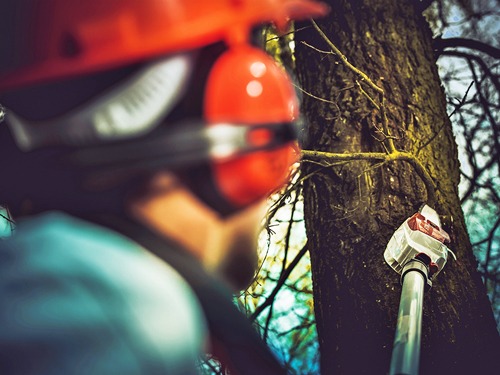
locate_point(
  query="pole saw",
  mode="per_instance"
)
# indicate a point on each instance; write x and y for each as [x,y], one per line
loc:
[416,251]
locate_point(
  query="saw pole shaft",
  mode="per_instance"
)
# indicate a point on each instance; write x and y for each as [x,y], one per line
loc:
[406,349]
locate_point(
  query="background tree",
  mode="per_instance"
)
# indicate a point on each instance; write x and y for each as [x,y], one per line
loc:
[383,145]
[466,46]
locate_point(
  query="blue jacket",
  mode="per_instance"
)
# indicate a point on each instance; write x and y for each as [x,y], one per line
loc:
[77,298]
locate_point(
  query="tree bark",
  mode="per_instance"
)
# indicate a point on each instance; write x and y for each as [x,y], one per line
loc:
[353,207]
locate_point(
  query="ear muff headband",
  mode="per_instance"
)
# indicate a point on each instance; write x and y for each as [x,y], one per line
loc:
[133,107]
[187,144]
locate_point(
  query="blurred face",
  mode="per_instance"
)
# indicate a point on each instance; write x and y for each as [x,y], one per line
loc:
[238,259]
[226,246]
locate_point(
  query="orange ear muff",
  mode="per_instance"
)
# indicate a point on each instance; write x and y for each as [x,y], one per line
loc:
[246,86]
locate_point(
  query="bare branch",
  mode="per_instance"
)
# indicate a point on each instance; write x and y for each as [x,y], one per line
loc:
[281,281]
[480,62]
[346,62]
[441,44]
[393,156]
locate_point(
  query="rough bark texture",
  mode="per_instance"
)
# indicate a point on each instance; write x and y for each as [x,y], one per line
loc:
[352,209]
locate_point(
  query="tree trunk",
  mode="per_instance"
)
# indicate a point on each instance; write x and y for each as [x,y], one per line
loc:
[353,207]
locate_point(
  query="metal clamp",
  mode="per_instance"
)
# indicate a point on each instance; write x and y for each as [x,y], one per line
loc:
[419,266]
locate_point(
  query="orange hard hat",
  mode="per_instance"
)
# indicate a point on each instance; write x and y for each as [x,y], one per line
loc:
[45,40]
[50,40]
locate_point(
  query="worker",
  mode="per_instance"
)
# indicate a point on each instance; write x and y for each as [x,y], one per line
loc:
[140,141]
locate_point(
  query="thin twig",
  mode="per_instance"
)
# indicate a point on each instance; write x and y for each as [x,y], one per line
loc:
[346,62]
[374,103]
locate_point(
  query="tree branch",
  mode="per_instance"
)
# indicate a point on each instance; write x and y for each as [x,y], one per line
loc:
[480,62]
[281,281]
[393,156]
[440,45]
[346,62]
